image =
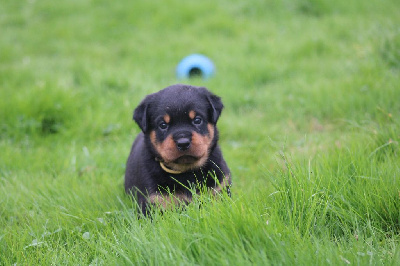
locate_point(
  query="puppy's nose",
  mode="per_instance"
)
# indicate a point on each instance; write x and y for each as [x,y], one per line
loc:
[183,144]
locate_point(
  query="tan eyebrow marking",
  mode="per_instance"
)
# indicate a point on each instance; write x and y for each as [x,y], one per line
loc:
[167,118]
[192,114]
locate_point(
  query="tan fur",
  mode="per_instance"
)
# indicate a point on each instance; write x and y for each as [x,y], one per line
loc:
[168,201]
[192,114]
[167,118]
[166,149]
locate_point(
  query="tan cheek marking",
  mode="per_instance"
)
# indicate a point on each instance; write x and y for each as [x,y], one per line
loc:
[199,144]
[165,149]
[167,118]
[168,149]
[192,114]
[153,138]
[200,140]
[210,131]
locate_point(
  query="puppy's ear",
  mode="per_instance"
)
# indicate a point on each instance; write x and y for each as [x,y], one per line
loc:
[141,114]
[216,106]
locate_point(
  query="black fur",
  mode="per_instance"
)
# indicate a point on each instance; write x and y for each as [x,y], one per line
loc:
[144,175]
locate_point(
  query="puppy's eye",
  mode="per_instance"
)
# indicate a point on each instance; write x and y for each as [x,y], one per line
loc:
[163,125]
[197,120]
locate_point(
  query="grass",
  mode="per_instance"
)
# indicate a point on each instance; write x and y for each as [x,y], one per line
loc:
[310,130]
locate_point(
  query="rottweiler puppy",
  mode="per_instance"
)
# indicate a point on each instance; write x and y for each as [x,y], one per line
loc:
[177,148]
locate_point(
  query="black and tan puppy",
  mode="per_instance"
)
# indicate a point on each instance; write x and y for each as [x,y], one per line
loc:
[177,147]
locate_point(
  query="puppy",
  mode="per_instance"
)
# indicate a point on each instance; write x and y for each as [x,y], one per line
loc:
[177,147]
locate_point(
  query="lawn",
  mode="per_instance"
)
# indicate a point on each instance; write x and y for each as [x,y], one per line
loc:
[310,130]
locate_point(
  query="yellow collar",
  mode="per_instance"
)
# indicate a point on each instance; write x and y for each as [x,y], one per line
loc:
[169,170]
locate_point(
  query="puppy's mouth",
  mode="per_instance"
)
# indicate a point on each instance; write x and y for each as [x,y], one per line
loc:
[186,159]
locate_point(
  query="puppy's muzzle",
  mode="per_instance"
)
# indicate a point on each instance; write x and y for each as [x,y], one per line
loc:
[183,140]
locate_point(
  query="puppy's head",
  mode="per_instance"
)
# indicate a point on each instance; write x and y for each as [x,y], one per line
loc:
[179,122]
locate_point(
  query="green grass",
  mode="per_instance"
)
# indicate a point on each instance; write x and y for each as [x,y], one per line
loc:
[310,130]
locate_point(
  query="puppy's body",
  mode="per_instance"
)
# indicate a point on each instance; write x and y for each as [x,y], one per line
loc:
[177,146]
